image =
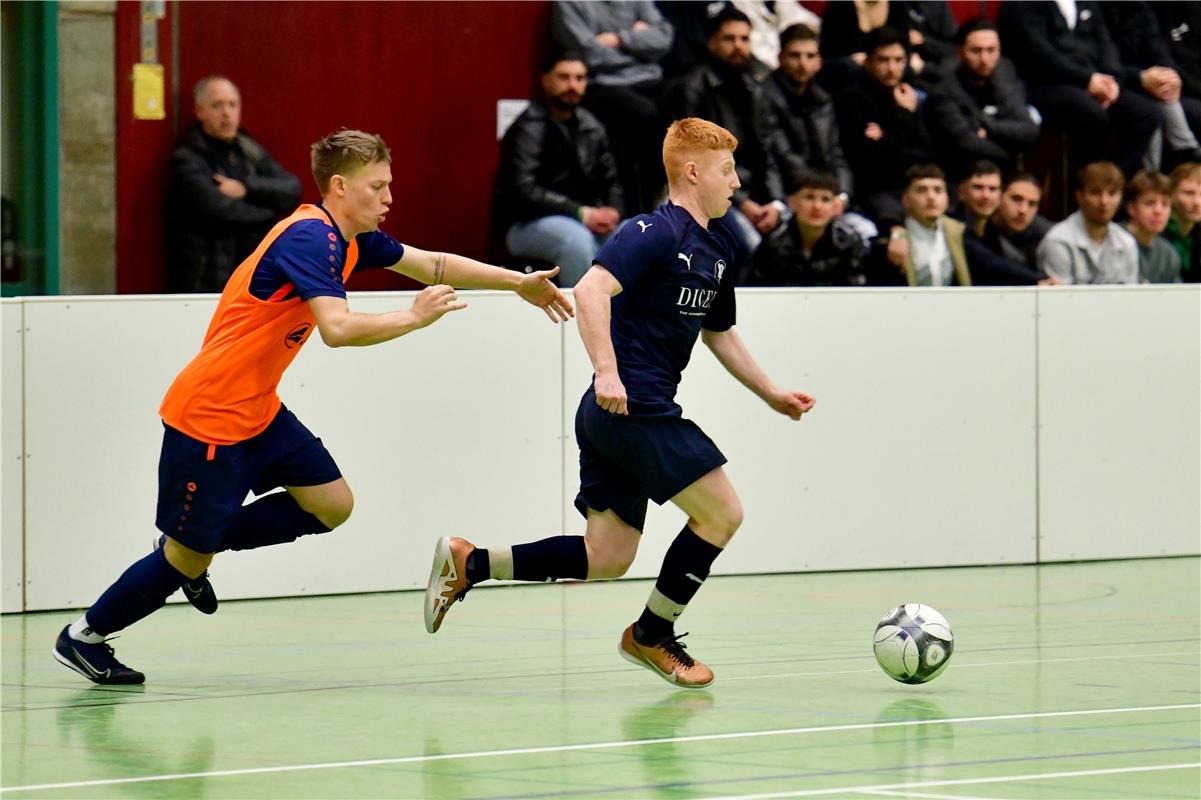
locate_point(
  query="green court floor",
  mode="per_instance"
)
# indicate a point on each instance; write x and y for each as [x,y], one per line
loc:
[1068,681]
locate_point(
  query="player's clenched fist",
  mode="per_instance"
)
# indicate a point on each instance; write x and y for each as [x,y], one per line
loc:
[434,301]
[611,394]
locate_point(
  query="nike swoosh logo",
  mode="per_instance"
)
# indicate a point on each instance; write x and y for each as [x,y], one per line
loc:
[97,673]
[692,577]
[193,592]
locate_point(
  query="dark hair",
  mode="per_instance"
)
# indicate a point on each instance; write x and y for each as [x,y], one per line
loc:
[972,26]
[1100,173]
[1146,181]
[813,179]
[727,14]
[983,167]
[1023,177]
[884,36]
[800,32]
[923,171]
[555,56]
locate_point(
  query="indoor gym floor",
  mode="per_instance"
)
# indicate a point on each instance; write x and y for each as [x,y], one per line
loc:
[1067,681]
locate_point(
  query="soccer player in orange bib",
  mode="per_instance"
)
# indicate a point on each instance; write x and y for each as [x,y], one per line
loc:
[226,431]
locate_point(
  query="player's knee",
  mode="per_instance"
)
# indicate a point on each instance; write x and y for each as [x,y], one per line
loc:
[186,561]
[724,523]
[608,567]
[337,511]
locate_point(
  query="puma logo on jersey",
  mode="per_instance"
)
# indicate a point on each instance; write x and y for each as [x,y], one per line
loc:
[643,225]
[686,259]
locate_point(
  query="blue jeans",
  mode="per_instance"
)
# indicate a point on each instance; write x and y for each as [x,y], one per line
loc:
[558,239]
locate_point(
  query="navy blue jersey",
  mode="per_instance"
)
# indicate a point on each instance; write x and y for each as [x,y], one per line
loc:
[673,275]
[305,254]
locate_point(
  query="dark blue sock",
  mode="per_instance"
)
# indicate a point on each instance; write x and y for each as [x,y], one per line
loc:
[551,559]
[274,519]
[139,592]
[685,567]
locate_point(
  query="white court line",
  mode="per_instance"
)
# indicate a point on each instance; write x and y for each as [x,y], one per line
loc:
[926,796]
[959,666]
[1036,776]
[567,748]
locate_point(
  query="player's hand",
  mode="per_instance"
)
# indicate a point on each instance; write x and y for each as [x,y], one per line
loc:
[536,289]
[432,302]
[611,394]
[791,404]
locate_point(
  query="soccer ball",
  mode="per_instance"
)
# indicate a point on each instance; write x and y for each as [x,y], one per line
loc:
[913,643]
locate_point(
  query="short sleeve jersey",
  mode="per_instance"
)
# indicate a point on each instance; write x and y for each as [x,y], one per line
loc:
[675,280]
[226,394]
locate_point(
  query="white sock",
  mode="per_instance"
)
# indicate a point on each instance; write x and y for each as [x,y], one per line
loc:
[500,563]
[80,631]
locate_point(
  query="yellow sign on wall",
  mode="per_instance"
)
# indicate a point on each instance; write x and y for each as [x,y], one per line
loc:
[148,93]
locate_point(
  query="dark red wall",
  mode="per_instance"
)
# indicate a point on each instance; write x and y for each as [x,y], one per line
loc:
[424,75]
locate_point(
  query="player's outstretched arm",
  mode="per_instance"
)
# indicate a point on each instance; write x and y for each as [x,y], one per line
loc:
[535,288]
[594,294]
[732,353]
[341,327]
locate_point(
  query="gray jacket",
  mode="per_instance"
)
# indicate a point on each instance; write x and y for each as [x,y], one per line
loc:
[1067,253]
[574,25]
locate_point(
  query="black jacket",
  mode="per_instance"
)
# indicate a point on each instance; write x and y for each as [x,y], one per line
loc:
[209,234]
[548,168]
[991,262]
[961,104]
[1046,51]
[880,165]
[732,99]
[1135,32]
[1180,25]
[808,131]
[837,259]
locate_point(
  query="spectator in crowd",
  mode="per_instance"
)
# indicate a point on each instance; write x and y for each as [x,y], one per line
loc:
[1148,67]
[1148,208]
[690,34]
[804,114]
[844,42]
[979,110]
[931,38]
[881,132]
[768,21]
[622,43]
[225,192]
[1088,246]
[1017,219]
[1072,73]
[722,91]
[1184,228]
[929,248]
[1180,27]
[818,249]
[988,262]
[558,197]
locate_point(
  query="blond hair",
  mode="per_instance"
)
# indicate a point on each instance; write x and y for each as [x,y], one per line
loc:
[343,153]
[687,138]
[1188,171]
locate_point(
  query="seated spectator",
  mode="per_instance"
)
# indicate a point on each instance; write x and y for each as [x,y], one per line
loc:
[768,21]
[1088,246]
[844,45]
[1017,219]
[881,132]
[931,39]
[722,91]
[1184,228]
[817,249]
[1180,29]
[1148,208]
[558,197]
[1072,72]
[225,192]
[929,250]
[622,44]
[804,114]
[1148,68]
[987,259]
[689,41]
[979,110]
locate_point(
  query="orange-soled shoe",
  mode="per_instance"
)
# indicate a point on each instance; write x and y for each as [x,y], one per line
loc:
[667,658]
[448,579]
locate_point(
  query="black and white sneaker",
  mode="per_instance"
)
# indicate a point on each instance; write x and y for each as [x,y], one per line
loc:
[96,662]
[198,591]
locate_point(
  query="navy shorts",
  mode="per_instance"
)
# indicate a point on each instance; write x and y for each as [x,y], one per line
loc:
[624,461]
[201,487]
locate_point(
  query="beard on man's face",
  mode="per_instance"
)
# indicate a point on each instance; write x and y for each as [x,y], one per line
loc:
[567,101]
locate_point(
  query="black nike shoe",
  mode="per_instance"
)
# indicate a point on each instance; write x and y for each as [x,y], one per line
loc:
[198,590]
[96,662]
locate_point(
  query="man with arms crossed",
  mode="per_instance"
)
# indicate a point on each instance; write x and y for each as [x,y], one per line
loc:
[226,431]
[658,283]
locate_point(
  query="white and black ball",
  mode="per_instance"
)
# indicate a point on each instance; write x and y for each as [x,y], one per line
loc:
[913,643]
